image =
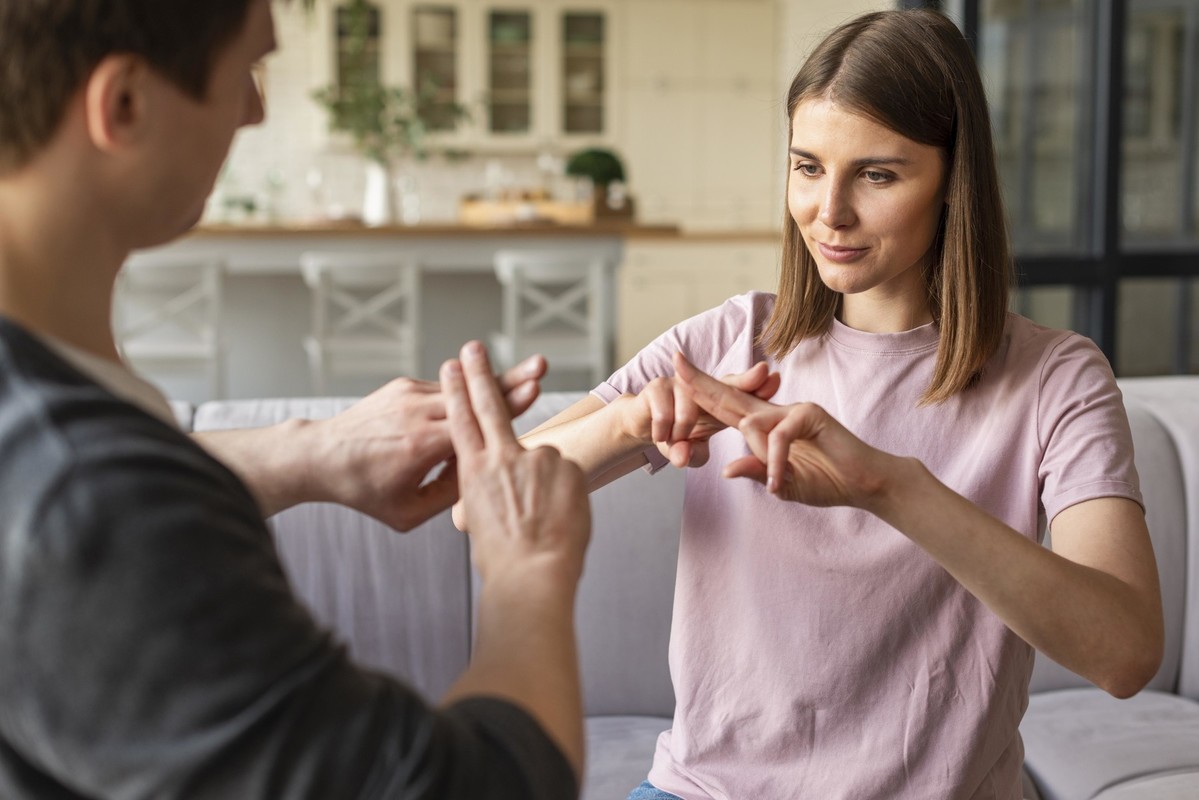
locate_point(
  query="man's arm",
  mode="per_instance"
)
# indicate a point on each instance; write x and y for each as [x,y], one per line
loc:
[373,457]
[532,527]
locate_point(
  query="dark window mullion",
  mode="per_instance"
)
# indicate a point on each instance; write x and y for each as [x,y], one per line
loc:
[1111,21]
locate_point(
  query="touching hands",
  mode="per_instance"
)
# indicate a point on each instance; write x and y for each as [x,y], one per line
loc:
[666,414]
[799,452]
[373,457]
[529,507]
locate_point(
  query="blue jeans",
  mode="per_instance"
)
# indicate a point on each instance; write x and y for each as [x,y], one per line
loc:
[647,791]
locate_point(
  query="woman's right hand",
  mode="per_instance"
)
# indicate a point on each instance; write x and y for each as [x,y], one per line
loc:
[666,415]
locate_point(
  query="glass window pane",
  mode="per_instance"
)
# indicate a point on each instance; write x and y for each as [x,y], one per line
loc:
[1153,188]
[1052,306]
[510,37]
[1150,338]
[1035,63]
[435,67]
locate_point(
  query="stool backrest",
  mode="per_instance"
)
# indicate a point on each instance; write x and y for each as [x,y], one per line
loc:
[362,294]
[171,300]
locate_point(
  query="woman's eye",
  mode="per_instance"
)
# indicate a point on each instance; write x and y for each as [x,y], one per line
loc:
[807,169]
[876,177]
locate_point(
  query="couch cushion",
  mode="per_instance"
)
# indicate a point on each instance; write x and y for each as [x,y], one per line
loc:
[1162,485]
[1175,403]
[620,751]
[400,601]
[1175,786]
[1079,742]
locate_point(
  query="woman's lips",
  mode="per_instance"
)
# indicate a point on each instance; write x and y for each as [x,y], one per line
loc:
[841,255]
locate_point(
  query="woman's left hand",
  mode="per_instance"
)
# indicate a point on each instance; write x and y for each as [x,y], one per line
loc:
[800,453]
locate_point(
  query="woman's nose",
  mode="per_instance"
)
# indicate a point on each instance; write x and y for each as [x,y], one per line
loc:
[836,210]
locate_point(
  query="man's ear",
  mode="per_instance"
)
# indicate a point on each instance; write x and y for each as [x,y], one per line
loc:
[116,102]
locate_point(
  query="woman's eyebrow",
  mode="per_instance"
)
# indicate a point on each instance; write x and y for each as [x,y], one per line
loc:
[858,162]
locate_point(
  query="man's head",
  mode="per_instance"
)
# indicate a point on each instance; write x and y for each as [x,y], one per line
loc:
[50,48]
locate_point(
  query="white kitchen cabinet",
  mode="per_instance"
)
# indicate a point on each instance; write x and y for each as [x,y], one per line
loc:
[533,73]
[663,282]
[704,132]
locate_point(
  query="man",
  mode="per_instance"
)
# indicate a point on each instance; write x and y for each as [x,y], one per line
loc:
[149,643]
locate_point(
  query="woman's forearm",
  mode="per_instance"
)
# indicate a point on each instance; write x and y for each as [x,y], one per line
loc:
[596,436]
[1102,621]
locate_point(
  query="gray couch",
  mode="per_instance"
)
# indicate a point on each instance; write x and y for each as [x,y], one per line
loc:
[403,605]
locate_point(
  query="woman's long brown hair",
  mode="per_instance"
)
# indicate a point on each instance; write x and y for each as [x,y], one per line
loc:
[913,72]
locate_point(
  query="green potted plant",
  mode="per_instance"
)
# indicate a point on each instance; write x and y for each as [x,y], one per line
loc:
[606,172]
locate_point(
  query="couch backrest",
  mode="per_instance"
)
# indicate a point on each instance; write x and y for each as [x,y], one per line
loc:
[1174,402]
[401,602]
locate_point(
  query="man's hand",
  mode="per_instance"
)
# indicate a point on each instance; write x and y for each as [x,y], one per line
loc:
[529,506]
[532,523]
[373,457]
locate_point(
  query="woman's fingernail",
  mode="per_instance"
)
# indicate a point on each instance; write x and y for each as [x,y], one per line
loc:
[772,484]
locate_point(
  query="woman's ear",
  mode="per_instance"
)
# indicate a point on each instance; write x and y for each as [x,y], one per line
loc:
[115,102]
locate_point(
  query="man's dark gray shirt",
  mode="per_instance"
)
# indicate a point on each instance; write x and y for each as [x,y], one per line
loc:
[150,646]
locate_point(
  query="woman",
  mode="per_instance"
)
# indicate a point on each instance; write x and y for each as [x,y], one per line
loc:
[858,620]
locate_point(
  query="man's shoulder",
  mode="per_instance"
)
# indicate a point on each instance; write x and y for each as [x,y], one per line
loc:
[63,435]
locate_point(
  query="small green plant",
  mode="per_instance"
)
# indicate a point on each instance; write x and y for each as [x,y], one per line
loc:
[601,166]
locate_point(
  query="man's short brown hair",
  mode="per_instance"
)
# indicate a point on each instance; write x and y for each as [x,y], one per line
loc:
[48,48]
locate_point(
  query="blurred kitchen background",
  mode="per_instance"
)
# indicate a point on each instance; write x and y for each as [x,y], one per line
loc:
[650,134]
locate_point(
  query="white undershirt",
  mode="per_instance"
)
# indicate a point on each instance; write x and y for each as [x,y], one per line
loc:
[116,378]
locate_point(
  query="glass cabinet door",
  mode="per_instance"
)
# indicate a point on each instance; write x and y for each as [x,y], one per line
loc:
[357,46]
[583,72]
[435,64]
[509,72]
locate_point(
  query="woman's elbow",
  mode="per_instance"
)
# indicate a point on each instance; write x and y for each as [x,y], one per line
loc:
[1133,672]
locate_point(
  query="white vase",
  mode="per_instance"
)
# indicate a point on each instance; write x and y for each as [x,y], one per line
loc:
[379,202]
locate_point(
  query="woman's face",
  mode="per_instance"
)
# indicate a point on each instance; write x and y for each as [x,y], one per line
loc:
[868,202]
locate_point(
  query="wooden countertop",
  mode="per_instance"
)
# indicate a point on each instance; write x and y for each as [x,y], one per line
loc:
[604,229]
[624,230]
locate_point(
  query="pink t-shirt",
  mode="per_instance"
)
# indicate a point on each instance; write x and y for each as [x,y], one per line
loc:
[819,653]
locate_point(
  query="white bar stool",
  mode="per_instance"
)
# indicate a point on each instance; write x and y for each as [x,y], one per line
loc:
[167,314]
[365,315]
[555,304]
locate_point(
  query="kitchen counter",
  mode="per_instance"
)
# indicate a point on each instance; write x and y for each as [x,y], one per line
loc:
[602,228]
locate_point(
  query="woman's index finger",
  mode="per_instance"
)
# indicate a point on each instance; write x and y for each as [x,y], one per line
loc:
[725,403]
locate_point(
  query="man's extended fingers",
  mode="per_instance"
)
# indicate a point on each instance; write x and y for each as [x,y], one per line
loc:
[464,428]
[722,401]
[531,369]
[488,403]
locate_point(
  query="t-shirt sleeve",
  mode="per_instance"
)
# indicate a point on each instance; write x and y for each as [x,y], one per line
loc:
[707,340]
[161,653]
[1083,429]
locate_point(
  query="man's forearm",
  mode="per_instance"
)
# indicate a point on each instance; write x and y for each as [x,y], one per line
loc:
[270,461]
[525,653]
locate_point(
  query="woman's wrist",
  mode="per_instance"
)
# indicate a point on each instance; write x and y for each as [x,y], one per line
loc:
[901,484]
[632,420]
